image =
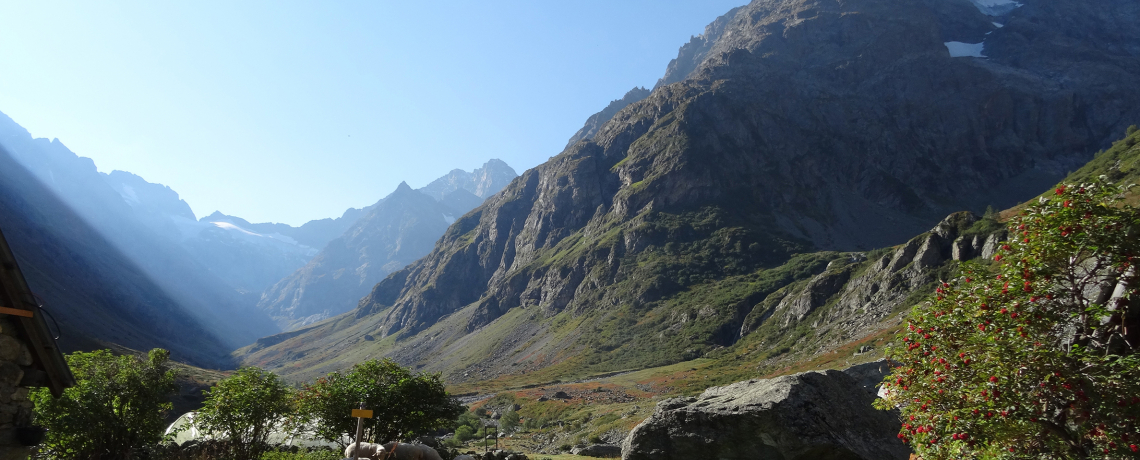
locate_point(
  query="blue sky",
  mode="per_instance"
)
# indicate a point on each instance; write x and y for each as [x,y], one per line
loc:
[291,111]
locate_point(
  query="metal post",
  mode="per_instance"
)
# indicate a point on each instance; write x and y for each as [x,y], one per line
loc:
[359,433]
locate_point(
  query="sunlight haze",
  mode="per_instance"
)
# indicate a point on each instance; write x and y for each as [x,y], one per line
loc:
[292,111]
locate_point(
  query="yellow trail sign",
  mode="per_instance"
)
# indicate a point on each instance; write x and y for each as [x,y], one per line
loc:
[362,413]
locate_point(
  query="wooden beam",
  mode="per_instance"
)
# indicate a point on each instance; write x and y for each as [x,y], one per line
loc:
[17,312]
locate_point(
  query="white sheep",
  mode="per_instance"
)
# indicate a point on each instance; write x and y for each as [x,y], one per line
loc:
[367,450]
[393,451]
[464,457]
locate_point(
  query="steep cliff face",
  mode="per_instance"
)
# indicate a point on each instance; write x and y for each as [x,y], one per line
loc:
[392,233]
[803,125]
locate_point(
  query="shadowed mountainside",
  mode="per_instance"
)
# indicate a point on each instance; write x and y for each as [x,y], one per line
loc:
[95,292]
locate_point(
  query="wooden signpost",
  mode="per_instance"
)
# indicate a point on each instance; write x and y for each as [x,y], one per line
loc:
[360,415]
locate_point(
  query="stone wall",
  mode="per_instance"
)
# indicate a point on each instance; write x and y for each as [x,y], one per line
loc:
[15,408]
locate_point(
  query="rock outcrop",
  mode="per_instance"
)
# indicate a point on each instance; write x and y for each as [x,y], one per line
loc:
[813,415]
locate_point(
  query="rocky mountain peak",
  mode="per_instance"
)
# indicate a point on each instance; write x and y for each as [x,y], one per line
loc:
[482,182]
[156,198]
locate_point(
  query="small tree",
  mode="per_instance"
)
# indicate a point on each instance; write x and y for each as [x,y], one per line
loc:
[1036,355]
[403,404]
[509,421]
[244,409]
[116,407]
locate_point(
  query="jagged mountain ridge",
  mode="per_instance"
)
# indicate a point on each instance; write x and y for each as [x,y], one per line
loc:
[598,119]
[807,125]
[249,257]
[313,234]
[392,233]
[483,182]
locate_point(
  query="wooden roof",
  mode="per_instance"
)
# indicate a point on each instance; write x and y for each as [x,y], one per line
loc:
[21,307]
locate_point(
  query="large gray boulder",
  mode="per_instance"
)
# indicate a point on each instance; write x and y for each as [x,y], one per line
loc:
[813,415]
[598,450]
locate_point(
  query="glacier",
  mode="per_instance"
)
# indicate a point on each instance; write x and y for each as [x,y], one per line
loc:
[960,49]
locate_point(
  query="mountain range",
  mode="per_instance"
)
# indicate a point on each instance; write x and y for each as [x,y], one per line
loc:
[791,136]
[801,172]
[126,262]
[396,231]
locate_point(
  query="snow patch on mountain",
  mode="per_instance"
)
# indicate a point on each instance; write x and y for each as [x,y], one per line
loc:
[128,194]
[235,228]
[995,7]
[959,49]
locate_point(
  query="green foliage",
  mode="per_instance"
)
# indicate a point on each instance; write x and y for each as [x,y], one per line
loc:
[116,408]
[469,419]
[244,409]
[403,404]
[1031,357]
[464,433]
[509,421]
[985,226]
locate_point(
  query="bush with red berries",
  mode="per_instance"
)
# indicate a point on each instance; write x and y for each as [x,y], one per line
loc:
[1033,355]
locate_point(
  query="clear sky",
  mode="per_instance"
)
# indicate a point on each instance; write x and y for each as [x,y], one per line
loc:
[290,111]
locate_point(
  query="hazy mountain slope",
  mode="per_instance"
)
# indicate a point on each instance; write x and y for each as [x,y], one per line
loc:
[807,125]
[313,234]
[247,257]
[392,233]
[97,294]
[75,181]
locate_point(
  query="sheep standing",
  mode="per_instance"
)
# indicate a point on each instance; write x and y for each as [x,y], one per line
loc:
[393,451]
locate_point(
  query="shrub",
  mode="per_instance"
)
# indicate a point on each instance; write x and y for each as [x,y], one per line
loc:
[509,421]
[1036,356]
[464,433]
[116,407]
[403,404]
[244,409]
